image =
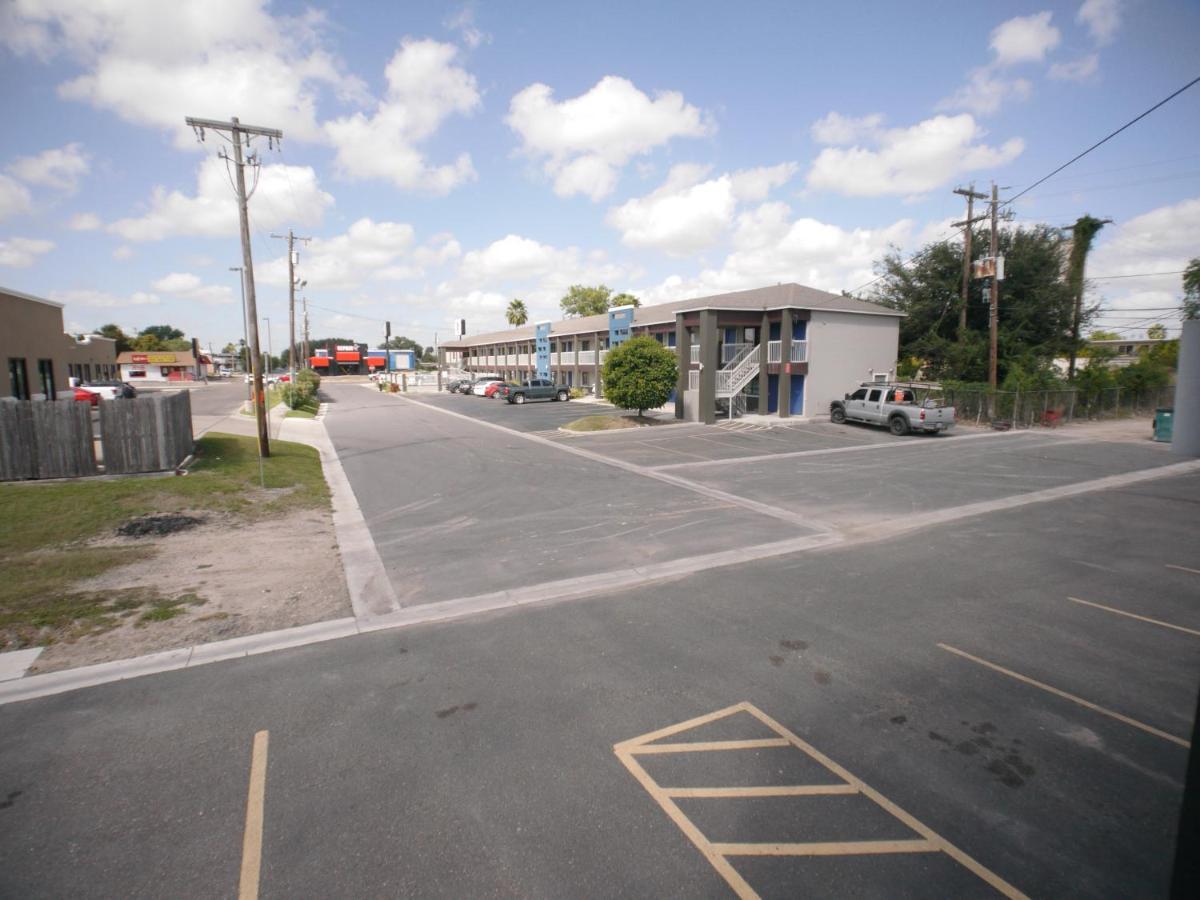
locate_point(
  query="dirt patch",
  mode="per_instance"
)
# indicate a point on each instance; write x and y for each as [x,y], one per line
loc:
[158,525]
[226,579]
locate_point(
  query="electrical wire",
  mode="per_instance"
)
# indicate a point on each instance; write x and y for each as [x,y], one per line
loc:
[1137,275]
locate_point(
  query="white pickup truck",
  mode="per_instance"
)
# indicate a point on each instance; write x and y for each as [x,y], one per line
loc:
[895,406]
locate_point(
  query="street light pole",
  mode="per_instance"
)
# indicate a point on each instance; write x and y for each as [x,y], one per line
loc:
[270,353]
[245,333]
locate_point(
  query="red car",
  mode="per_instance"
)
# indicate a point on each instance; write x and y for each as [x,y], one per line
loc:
[89,396]
[490,390]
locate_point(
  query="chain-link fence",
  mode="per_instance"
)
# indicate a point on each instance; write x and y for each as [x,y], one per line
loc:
[1027,409]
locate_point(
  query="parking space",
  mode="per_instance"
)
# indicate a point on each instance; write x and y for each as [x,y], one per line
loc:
[541,416]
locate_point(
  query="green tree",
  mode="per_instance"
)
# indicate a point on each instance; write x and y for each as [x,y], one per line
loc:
[1191,289]
[162,332]
[1156,332]
[117,334]
[403,343]
[517,314]
[1082,234]
[593,301]
[1035,309]
[639,374]
[1100,335]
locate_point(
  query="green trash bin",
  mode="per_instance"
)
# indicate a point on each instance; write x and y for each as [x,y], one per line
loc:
[1164,419]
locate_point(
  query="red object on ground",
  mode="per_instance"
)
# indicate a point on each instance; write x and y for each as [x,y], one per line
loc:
[491,389]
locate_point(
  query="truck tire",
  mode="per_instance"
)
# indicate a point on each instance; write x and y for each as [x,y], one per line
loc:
[837,415]
[562,396]
[898,425]
[518,398]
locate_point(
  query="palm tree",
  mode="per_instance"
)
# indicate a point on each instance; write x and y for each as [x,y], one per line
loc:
[517,314]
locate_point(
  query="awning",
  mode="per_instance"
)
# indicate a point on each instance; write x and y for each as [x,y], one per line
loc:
[348,357]
[376,360]
[319,362]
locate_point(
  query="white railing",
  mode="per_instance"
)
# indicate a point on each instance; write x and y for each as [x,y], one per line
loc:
[587,357]
[603,354]
[733,354]
[774,351]
[732,379]
[695,353]
[523,359]
[693,379]
[566,358]
[799,351]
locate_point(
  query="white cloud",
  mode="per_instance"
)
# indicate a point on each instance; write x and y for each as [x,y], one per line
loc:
[836,129]
[1024,39]
[14,198]
[683,216]
[60,167]
[986,91]
[187,286]
[585,141]
[770,246]
[424,88]
[913,160]
[18,252]
[123,252]
[102,299]
[753,185]
[85,222]
[1076,70]
[512,258]
[1102,18]
[1162,240]
[152,63]
[464,23]
[367,250]
[286,195]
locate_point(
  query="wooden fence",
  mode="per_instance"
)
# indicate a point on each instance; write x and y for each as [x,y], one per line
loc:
[40,439]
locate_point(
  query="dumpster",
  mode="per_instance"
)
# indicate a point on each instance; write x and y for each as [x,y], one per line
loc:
[1164,418]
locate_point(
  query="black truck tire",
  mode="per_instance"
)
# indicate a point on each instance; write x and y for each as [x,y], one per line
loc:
[518,398]
[837,415]
[562,396]
[898,425]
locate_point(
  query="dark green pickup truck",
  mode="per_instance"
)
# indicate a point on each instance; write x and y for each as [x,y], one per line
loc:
[534,389]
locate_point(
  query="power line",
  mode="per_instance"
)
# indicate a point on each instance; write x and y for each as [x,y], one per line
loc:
[1103,140]
[1138,275]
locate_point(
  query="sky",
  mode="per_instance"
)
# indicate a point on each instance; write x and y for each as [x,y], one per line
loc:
[447,158]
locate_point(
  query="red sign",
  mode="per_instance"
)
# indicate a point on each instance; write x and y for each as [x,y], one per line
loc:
[140,358]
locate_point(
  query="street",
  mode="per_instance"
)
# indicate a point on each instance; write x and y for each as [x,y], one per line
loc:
[980,680]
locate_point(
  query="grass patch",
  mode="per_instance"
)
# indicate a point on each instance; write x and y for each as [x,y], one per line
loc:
[306,410]
[71,615]
[45,526]
[274,398]
[611,423]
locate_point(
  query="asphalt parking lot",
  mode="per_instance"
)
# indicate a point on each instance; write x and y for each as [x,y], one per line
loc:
[540,416]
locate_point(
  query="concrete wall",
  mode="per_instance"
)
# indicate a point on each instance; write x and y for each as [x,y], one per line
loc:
[32,329]
[843,350]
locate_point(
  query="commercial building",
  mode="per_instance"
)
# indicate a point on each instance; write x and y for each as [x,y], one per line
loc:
[39,357]
[161,365]
[356,359]
[785,350]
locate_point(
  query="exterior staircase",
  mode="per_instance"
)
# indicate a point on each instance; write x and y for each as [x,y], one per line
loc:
[738,371]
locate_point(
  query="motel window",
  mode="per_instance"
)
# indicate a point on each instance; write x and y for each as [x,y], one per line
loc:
[585,345]
[46,376]
[881,378]
[671,339]
[18,377]
[87,372]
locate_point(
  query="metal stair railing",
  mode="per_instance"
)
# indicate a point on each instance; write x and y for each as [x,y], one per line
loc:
[739,373]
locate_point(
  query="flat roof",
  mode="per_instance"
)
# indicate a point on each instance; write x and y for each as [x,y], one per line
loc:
[779,296]
[20,295]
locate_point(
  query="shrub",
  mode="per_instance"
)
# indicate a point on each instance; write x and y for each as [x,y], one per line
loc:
[639,374]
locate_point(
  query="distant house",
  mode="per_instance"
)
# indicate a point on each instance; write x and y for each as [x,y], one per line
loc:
[1125,351]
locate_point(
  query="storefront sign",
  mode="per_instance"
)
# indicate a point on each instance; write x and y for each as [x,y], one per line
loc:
[620,319]
[155,358]
[542,348]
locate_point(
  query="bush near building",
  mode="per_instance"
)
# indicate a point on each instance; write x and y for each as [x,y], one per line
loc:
[303,392]
[639,374]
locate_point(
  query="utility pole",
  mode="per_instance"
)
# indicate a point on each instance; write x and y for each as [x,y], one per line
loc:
[292,285]
[994,297]
[969,223]
[305,355]
[237,133]
[270,352]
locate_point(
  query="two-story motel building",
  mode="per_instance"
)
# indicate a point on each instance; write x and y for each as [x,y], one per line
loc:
[785,350]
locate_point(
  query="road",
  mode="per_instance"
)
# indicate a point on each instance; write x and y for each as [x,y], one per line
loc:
[985,676]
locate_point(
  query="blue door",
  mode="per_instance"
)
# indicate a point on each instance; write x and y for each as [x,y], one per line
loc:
[772,393]
[797,405]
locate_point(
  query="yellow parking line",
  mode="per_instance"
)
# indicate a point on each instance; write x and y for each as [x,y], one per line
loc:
[1121,612]
[717,853]
[834,848]
[1149,729]
[786,790]
[702,746]
[1184,569]
[252,839]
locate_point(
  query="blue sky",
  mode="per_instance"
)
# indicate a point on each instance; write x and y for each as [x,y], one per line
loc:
[447,158]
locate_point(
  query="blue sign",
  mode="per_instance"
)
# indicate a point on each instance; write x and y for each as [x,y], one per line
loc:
[620,320]
[542,346]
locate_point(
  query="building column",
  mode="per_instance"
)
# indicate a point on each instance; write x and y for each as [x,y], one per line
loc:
[764,380]
[596,366]
[785,362]
[709,363]
[683,355]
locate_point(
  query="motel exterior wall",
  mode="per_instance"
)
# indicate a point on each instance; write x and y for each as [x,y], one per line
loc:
[845,349]
[32,340]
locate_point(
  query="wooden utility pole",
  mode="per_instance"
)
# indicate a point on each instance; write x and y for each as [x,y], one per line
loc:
[969,225]
[237,133]
[994,296]
[304,355]
[292,285]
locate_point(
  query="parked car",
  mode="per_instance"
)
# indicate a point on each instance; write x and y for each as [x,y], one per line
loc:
[453,385]
[111,390]
[87,396]
[892,405]
[478,388]
[534,389]
[469,385]
[491,391]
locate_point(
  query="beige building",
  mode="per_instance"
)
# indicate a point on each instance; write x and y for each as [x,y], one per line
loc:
[159,365]
[39,358]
